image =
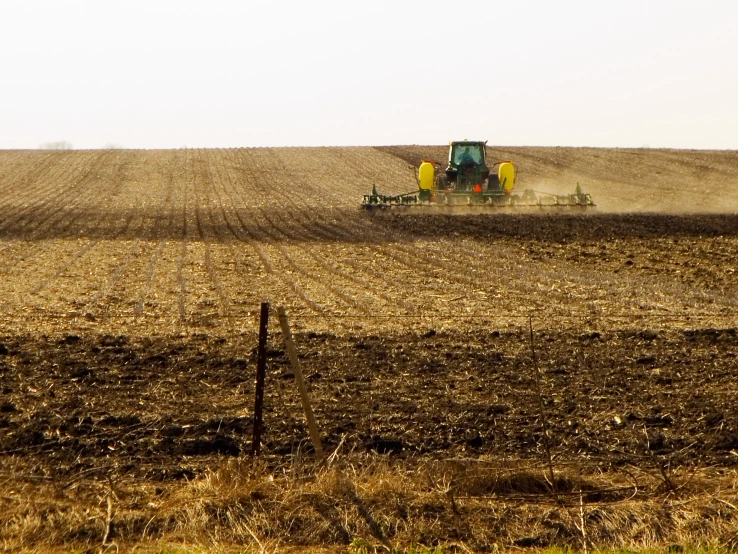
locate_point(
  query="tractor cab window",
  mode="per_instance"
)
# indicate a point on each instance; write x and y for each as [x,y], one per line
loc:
[467,153]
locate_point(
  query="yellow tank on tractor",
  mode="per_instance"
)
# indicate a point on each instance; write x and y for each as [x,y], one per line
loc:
[468,180]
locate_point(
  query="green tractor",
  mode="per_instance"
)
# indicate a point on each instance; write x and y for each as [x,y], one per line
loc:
[469,180]
[467,165]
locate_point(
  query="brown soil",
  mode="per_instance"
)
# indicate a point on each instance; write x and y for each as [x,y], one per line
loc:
[132,280]
[165,408]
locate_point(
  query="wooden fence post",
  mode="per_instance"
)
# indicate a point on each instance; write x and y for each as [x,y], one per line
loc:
[260,377]
[294,360]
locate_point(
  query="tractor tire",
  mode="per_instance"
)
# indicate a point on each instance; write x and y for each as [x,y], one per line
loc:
[441,182]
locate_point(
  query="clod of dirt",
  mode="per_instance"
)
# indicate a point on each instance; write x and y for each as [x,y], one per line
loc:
[120,421]
[173,431]
[665,420]
[385,445]
[430,333]
[83,373]
[727,442]
[3,350]
[713,419]
[156,359]
[497,409]
[28,437]
[657,443]
[170,474]
[529,542]
[646,360]
[475,442]
[110,340]
[218,445]
[710,334]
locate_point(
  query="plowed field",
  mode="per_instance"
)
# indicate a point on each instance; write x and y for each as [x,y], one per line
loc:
[131,281]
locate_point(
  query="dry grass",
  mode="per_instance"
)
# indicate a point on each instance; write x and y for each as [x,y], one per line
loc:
[376,502]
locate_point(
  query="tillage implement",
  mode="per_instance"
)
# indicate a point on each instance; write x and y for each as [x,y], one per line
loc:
[470,181]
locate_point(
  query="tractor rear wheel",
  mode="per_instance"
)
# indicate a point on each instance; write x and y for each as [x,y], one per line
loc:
[441,182]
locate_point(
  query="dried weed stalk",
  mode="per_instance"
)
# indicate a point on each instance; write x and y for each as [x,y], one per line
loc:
[542,411]
[383,501]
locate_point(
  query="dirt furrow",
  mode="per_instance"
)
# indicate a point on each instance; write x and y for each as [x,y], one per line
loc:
[21,187]
[292,229]
[251,277]
[305,277]
[32,259]
[144,289]
[182,250]
[37,207]
[261,241]
[291,225]
[212,233]
[65,184]
[103,186]
[144,229]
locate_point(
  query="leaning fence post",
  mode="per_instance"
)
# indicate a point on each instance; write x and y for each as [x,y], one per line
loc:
[260,377]
[292,353]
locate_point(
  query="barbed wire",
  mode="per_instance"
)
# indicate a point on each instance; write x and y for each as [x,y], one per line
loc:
[255,315]
[252,315]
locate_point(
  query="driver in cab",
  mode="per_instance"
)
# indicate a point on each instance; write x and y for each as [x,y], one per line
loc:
[466,157]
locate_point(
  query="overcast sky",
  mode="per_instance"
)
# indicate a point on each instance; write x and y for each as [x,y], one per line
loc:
[166,74]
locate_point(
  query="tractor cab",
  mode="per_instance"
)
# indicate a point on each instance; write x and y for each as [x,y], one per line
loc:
[467,166]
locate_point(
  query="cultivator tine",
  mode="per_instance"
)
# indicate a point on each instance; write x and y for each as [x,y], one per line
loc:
[375,200]
[494,200]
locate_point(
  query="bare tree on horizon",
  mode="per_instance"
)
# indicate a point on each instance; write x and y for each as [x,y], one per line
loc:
[58,145]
